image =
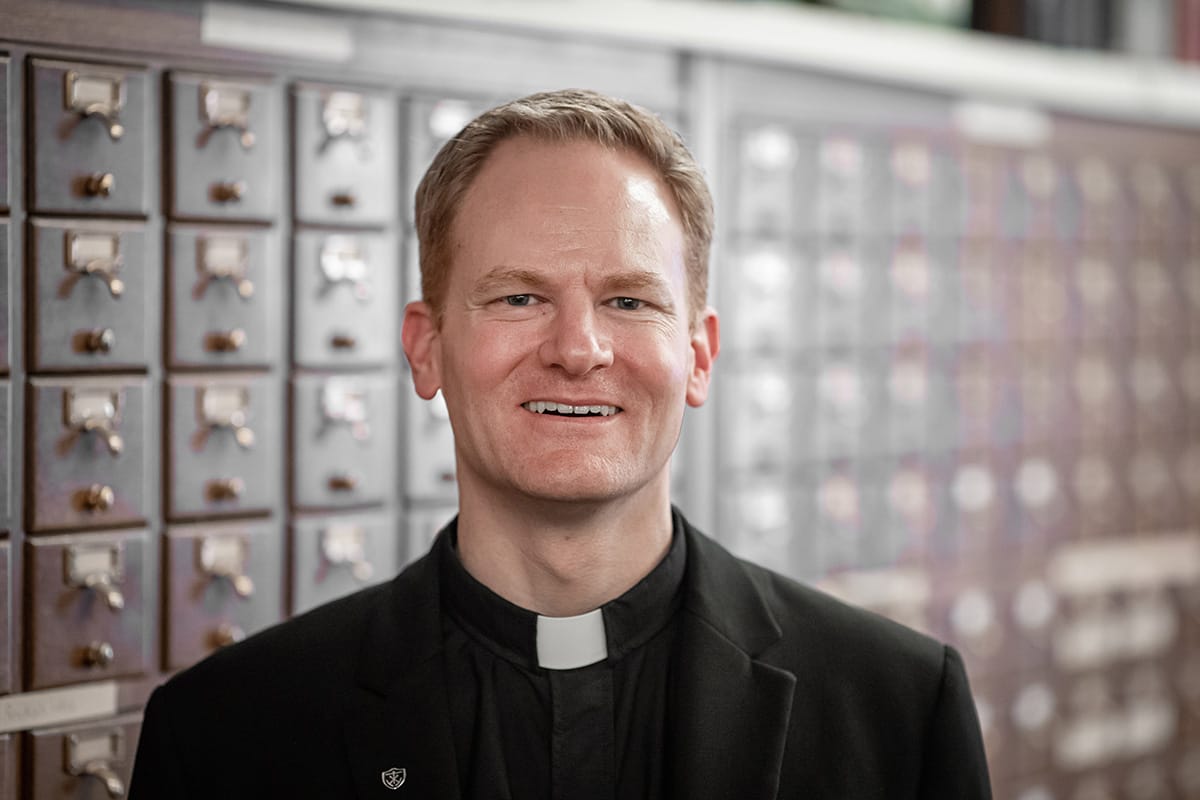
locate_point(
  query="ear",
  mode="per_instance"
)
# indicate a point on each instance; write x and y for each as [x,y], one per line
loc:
[706,343]
[422,346]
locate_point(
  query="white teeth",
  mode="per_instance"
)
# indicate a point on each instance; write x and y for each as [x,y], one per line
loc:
[542,406]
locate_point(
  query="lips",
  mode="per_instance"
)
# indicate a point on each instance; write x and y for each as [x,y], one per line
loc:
[556,408]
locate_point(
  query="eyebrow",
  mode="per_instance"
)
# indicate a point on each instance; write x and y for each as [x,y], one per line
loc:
[504,277]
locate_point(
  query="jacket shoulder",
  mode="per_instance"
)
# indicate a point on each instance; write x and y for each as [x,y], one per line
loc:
[807,615]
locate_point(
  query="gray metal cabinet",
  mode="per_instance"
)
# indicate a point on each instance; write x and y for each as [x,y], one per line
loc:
[89,439]
[336,555]
[224,297]
[346,170]
[226,149]
[344,440]
[86,602]
[223,583]
[90,137]
[346,290]
[95,290]
[224,444]
[86,761]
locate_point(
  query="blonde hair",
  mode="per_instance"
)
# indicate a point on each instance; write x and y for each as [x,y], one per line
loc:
[561,116]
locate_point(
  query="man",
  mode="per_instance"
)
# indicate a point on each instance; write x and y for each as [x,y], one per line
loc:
[570,635]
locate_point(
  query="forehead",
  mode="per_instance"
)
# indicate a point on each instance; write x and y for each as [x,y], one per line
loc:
[531,195]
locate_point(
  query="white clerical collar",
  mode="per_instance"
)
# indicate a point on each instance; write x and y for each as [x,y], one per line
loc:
[571,642]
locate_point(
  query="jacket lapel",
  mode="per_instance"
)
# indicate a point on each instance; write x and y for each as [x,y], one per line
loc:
[729,711]
[399,716]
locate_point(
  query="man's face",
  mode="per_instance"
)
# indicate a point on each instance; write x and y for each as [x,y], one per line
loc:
[567,291]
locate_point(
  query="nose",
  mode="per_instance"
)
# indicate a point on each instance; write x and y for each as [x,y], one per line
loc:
[576,342]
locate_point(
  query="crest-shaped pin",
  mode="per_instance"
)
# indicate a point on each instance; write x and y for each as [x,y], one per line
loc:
[394,778]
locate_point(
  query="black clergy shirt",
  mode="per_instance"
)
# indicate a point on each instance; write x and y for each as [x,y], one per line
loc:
[524,732]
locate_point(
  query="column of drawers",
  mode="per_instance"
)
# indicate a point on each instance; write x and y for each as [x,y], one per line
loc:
[223,549]
[430,486]
[7,776]
[92,288]
[345,323]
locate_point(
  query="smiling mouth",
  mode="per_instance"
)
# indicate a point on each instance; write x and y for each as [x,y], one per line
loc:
[567,410]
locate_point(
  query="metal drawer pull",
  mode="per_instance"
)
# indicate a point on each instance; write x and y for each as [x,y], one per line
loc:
[344,115]
[95,411]
[97,497]
[345,544]
[95,254]
[343,200]
[343,482]
[97,568]
[97,340]
[93,95]
[343,403]
[98,654]
[94,755]
[223,407]
[224,105]
[343,261]
[226,634]
[221,489]
[225,341]
[342,341]
[222,258]
[226,557]
[227,191]
[99,184]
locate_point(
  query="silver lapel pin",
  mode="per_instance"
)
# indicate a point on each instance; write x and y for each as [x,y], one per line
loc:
[394,778]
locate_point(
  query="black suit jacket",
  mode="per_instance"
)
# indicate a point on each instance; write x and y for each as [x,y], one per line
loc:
[779,692]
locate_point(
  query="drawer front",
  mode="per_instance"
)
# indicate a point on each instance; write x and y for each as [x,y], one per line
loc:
[223,582]
[6,454]
[90,138]
[224,298]
[94,289]
[5,282]
[58,759]
[429,470]
[3,132]
[86,607]
[345,440]
[225,440]
[6,626]
[225,148]
[346,299]
[334,556]
[89,440]
[346,170]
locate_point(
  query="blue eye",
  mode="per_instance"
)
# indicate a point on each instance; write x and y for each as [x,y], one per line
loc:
[518,299]
[627,303]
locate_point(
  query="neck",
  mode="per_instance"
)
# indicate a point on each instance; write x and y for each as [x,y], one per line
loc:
[561,558]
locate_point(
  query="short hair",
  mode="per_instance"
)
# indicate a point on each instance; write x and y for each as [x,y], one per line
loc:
[561,116]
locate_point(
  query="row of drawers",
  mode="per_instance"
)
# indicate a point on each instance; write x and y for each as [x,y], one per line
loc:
[91,136]
[91,446]
[787,178]
[95,296]
[88,596]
